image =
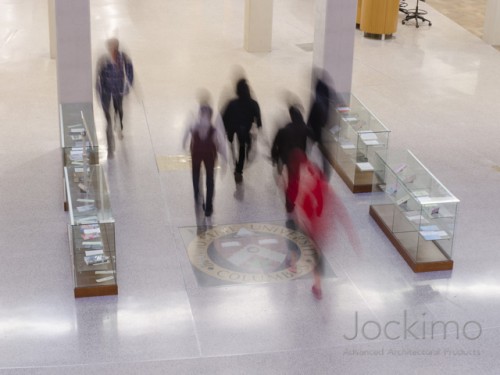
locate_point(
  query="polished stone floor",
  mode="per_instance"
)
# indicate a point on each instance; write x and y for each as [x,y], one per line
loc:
[436,88]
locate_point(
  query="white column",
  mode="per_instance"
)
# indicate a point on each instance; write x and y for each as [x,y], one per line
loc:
[74,61]
[492,23]
[52,28]
[334,28]
[258,25]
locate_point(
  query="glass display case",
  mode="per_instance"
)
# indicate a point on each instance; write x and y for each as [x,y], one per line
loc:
[414,210]
[77,130]
[91,231]
[357,137]
[78,137]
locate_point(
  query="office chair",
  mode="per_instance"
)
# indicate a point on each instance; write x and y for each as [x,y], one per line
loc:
[402,6]
[416,15]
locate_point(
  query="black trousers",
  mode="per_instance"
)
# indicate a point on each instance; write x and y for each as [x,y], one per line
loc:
[244,144]
[209,163]
[117,105]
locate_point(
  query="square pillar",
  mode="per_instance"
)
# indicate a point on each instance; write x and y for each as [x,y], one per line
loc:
[335,25]
[492,23]
[52,28]
[258,25]
[74,59]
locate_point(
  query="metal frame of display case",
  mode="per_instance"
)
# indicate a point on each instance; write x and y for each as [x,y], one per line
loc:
[357,137]
[414,209]
[91,231]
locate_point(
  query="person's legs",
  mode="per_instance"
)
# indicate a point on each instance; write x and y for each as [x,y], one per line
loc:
[195,166]
[292,189]
[242,144]
[106,102]
[118,104]
[317,273]
[325,159]
[209,170]
[230,138]
[241,153]
[249,147]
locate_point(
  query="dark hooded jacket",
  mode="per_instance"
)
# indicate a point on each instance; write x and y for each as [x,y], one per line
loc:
[318,117]
[241,112]
[291,137]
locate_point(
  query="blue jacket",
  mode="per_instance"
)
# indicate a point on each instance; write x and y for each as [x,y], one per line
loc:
[111,77]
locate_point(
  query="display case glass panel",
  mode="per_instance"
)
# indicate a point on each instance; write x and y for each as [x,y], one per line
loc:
[359,135]
[91,231]
[415,210]
[78,131]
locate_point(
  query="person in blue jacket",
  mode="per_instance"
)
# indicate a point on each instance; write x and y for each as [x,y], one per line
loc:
[115,76]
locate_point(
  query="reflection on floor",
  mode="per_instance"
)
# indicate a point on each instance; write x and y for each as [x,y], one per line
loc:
[250,253]
[173,162]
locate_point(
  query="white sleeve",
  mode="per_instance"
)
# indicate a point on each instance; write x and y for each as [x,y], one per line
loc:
[190,123]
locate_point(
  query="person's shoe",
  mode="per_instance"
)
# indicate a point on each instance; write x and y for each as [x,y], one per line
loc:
[208,211]
[292,264]
[316,291]
[238,177]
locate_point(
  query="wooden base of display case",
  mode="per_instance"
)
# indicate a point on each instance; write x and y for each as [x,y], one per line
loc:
[96,291]
[441,262]
[363,180]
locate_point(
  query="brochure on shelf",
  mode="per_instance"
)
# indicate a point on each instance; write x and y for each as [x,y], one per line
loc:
[92,260]
[364,166]
[94,252]
[103,279]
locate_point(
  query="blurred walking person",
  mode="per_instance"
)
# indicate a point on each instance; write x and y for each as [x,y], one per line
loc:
[304,187]
[115,76]
[319,116]
[238,116]
[291,137]
[309,215]
[206,142]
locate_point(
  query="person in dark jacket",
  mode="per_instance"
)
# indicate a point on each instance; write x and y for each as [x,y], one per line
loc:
[115,75]
[206,142]
[238,116]
[319,116]
[288,139]
[319,113]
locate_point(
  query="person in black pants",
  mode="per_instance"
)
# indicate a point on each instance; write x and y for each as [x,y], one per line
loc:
[319,116]
[289,140]
[205,144]
[238,117]
[115,75]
